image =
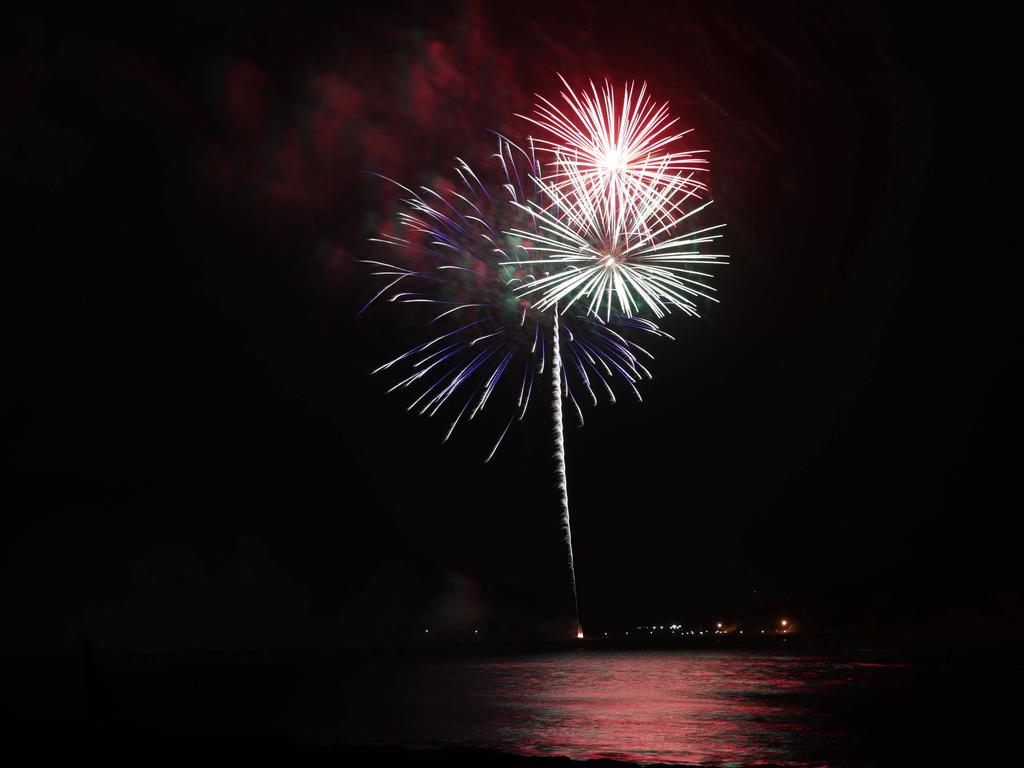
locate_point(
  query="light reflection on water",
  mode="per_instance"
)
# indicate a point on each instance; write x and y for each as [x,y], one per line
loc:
[707,708]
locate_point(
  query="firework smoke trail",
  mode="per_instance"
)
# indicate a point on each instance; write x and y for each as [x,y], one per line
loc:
[563,485]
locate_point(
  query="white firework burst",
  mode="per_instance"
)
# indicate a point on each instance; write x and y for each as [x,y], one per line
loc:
[619,157]
[655,272]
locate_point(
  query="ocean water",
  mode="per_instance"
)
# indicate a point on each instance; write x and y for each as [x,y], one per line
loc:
[697,707]
[780,705]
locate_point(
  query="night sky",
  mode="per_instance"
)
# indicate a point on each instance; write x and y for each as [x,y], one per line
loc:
[195,454]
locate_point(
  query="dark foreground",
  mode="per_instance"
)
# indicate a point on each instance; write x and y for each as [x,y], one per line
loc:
[803,702]
[162,749]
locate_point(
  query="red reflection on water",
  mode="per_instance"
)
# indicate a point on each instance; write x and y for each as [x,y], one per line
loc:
[697,708]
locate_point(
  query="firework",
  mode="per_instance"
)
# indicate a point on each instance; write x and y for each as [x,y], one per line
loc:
[484,337]
[608,226]
[652,274]
[461,259]
[565,255]
[619,158]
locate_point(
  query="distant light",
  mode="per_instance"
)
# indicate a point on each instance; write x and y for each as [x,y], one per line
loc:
[606,634]
[741,631]
[762,631]
[579,635]
[784,622]
[719,625]
[475,631]
[426,630]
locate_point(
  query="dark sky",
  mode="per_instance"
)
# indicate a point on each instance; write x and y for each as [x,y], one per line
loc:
[195,454]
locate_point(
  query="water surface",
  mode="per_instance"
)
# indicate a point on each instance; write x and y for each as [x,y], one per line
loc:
[696,707]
